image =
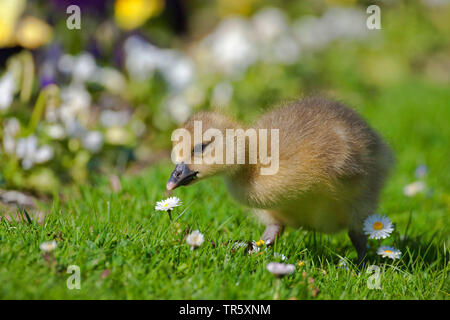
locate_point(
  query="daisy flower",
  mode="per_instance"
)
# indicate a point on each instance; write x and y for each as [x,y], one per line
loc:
[195,239]
[378,227]
[280,269]
[48,246]
[260,243]
[253,247]
[168,204]
[389,252]
[280,255]
[343,264]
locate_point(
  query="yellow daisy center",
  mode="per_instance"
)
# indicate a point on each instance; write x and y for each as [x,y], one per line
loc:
[388,251]
[166,204]
[378,225]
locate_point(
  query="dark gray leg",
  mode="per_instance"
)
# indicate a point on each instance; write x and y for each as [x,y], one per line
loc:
[272,231]
[359,240]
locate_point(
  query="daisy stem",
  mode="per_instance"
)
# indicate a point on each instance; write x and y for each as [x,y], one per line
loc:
[170,214]
[277,289]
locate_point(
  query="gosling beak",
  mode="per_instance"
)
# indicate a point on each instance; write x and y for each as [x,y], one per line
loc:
[181,176]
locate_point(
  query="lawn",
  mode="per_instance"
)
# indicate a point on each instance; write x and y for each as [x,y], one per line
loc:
[127,250]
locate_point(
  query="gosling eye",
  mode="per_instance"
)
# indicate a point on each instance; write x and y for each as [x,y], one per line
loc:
[200,148]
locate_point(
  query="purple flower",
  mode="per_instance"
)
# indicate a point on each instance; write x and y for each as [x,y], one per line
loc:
[421,171]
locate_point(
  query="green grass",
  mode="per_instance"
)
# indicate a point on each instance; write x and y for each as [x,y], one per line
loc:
[148,258]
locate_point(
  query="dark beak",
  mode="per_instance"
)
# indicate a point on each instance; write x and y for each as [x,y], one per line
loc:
[181,176]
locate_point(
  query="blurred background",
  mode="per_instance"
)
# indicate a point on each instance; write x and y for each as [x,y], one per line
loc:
[103,99]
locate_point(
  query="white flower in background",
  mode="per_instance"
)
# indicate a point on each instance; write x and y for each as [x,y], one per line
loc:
[9,144]
[51,112]
[48,246]
[195,239]
[66,63]
[311,33]
[75,102]
[168,204]
[12,126]
[378,227]
[56,131]
[232,46]
[117,135]
[270,23]
[389,252]
[176,69]
[25,150]
[275,41]
[28,150]
[414,188]
[11,129]
[222,94]
[84,67]
[111,118]
[73,128]
[336,23]
[280,269]
[178,108]
[111,79]
[43,154]
[93,141]
[286,50]
[7,89]
[26,146]
[345,23]
[142,59]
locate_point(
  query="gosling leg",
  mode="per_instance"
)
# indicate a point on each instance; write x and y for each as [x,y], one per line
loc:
[272,231]
[359,240]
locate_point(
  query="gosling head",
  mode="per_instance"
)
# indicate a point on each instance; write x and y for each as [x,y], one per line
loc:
[199,149]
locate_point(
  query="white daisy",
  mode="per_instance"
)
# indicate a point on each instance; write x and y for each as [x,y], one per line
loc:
[389,252]
[343,264]
[414,188]
[7,89]
[378,227]
[48,246]
[195,239]
[239,244]
[254,247]
[280,269]
[280,255]
[168,204]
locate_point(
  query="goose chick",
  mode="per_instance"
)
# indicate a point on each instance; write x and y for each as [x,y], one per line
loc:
[331,166]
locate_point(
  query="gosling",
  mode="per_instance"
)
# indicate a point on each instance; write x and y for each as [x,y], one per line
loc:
[331,167]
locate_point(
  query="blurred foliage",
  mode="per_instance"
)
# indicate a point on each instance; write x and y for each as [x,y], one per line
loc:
[76,102]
